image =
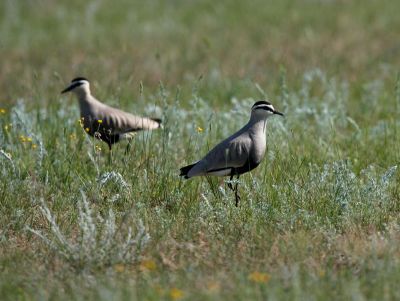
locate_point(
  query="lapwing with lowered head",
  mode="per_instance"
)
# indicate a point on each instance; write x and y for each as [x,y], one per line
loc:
[104,122]
[239,153]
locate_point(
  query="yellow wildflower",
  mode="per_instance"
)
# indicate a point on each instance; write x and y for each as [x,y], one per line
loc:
[8,126]
[175,293]
[119,268]
[3,111]
[72,136]
[34,146]
[200,129]
[98,148]
[149,265]
[87,130]
[100,121]
[22,138]
[259,277]
[29,139]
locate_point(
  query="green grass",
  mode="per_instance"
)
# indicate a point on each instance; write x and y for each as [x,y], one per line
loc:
[319,218]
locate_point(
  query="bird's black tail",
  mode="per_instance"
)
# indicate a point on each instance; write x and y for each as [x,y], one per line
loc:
[185,170]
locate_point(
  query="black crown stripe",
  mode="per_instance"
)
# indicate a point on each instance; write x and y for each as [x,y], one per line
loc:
[262,102]
[79,79]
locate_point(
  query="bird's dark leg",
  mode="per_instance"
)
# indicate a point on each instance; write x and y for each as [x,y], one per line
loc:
[237,192]
[109,153]
[128,148]
[230,182]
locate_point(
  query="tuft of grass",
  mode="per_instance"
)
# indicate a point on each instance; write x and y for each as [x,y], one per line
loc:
[97,242]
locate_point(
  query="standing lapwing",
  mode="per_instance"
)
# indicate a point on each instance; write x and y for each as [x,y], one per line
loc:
[238,154]
[104,122]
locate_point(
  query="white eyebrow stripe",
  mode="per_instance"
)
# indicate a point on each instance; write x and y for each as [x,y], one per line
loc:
[264,107]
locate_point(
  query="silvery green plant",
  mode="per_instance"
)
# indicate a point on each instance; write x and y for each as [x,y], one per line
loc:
[100,241]
[376,188]
[7,157]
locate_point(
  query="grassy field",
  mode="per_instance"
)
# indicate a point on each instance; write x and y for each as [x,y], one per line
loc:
[319,218]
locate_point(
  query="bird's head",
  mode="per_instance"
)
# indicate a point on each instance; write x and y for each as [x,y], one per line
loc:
[263,109]
[78,85]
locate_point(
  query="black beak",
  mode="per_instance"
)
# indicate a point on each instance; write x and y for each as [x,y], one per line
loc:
[71,87]
[67,89]
[279,113]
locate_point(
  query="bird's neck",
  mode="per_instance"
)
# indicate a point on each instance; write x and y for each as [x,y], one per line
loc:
[82,94]
[85,99]
[256,126]
[256,132]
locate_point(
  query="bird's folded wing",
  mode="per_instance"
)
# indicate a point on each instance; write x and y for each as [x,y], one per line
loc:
[120,122]
[233,154]
[226,155]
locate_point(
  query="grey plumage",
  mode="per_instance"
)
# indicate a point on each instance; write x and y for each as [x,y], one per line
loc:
[104,122]
[239,153]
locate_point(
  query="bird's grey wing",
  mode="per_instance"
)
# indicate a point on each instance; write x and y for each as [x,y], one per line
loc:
[120,122]
[223,157]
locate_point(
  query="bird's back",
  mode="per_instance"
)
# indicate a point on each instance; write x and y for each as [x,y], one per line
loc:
[230,153]
[101,116]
